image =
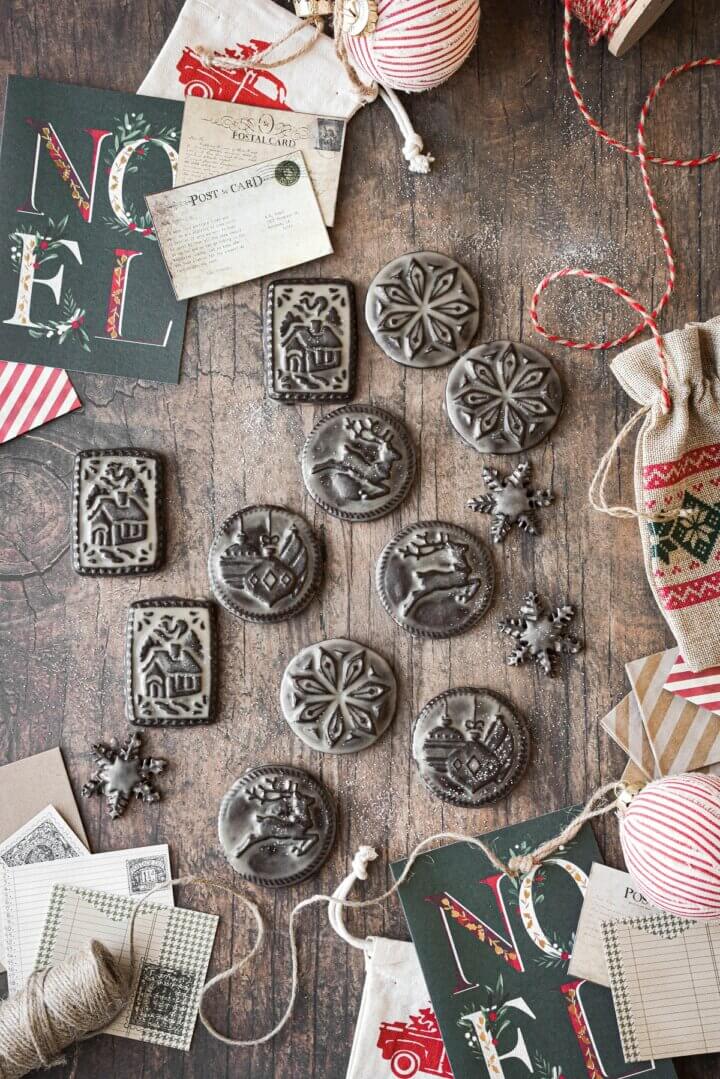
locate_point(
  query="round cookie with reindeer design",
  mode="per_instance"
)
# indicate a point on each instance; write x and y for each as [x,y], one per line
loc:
[358,462]
[435,579]
[277,825]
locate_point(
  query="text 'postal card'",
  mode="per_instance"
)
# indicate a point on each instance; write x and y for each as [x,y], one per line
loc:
[82,282]
[219,136]
[665,979]
[238,226]
[171,954]
[495,949]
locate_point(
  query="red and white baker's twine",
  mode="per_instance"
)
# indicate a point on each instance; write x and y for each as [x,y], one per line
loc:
[602,17]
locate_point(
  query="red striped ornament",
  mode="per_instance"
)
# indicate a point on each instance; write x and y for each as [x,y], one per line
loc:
[670,835]
[416,44]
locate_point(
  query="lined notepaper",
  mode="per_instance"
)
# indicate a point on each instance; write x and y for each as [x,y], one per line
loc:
[665,979]
[25,895]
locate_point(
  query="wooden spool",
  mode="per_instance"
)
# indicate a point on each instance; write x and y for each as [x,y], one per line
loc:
[638,21]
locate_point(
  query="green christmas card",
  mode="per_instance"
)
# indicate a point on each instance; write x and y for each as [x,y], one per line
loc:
[82,282]
[495,950]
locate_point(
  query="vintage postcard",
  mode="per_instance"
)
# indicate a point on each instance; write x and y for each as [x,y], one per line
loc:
[82,281]
[44,838]
[238,226]
[172,950]
[665,985]
[25,894]
[610,894]
[218,137]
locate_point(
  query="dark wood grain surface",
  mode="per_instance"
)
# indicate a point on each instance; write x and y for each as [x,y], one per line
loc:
[520,187]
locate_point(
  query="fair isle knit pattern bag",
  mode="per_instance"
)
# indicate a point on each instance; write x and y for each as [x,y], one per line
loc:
[677,468]
[397,1033]
[237,31]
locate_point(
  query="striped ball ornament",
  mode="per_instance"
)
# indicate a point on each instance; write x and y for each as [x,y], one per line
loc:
[670,835]
[416,44]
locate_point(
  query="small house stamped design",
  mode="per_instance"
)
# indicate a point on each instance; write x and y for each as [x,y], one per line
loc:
[310,340]
[144,874]
[117,512]
[171,668]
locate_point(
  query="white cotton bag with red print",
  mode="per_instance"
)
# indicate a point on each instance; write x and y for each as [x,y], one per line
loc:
[315,82]
[397,1035]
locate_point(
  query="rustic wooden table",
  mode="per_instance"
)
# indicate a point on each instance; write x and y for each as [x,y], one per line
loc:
[520,187]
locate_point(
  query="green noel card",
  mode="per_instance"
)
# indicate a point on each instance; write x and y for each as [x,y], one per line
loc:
[494,950]
[82,282]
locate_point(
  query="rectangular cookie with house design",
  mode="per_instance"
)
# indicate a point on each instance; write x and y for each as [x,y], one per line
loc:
[117,512]
[170,663]
[310,340]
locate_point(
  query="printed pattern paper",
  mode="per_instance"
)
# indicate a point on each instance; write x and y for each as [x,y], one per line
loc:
[172,953]
[31,395]
[700,687]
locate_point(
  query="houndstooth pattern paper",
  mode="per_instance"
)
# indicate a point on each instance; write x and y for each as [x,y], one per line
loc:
[172,953]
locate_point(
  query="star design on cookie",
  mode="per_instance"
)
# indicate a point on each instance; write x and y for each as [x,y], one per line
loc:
[120,772]
[510,501]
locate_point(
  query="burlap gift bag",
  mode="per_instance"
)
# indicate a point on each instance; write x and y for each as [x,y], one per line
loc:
[677,481]
[236,32]
[396,1032]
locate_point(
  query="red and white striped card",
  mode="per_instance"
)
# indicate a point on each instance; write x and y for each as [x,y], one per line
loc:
[31,395]
[700,687]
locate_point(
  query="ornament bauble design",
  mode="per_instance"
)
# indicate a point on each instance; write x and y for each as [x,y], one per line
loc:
[670,835]
[416,46]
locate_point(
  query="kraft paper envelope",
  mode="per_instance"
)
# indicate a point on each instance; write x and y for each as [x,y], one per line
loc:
[625,726]
[29,785]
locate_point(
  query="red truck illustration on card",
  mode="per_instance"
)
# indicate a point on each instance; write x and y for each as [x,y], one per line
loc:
[242,84]
[415,1047]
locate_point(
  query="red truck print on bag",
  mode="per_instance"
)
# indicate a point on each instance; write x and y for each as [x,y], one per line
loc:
[242,84]
[415,1047]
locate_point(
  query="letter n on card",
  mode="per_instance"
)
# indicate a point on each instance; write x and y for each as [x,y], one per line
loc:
[82,282]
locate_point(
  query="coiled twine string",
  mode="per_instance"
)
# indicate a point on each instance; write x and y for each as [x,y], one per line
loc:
[601,18]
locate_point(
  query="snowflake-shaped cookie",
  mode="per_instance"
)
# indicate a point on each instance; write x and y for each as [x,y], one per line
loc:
[120,772]
[541,634]
[511,501]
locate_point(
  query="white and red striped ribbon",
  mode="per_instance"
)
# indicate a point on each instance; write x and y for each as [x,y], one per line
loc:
[700,687]
[32,395]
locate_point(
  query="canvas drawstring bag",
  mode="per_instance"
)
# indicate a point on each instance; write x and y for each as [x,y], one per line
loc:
[677,481]
[396,1032]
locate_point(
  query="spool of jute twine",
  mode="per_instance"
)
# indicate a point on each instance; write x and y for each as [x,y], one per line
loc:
[80,996]
[58,1007]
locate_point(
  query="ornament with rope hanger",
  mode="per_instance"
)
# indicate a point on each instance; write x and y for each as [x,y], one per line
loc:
[604,18]
[368,36]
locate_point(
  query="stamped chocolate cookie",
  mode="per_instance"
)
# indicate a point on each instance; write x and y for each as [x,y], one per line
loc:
[358,462]
[117,512]
[310,340]
[423,309]
[338,696]
[435,579]
[503,397]
[265,564]
[277,825]
[470,746]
